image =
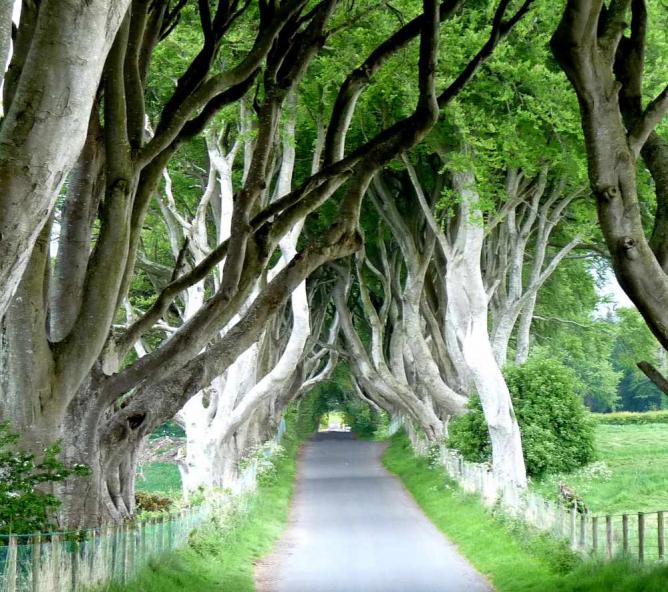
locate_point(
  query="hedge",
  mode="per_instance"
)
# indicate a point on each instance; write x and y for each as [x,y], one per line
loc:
[630,418]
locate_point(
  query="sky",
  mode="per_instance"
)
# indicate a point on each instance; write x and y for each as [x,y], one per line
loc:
[618,297]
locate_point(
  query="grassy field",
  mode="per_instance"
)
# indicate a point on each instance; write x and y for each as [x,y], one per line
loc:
[221,558]
[511,556]
[630,475]
[159,477]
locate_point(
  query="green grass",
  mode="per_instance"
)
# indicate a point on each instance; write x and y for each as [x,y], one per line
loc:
[159,477]
[514,558]
[219,558]
[631,473]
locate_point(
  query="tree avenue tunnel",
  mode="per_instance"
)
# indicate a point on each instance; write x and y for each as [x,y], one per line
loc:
[219,218]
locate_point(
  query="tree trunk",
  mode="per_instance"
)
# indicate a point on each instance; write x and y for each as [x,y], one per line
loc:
[6,10]
[467,310]
[46,122]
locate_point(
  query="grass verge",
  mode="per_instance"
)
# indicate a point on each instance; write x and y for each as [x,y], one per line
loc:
[219,557]
[513,557]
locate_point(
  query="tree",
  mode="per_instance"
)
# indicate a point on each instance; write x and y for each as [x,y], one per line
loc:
[49,91]
[606,69]
[80,381]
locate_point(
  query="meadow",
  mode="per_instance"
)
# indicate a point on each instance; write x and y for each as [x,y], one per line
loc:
[629,475]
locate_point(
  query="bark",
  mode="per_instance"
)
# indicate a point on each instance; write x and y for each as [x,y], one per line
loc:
[467,310]
[6,11]
[374,376]
[655,376]
[518,238]
[46,122]
[467,314]
[90,381]
[417,258]
[586,47]
[75,241]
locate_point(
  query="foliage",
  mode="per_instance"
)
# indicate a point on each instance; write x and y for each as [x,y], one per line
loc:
[25,480]
[557,435]
[362,418]
[170,428]
[636,343]
[514,557]
[630,418]
[568,328]
[266,458]
[628,476]
[152,502]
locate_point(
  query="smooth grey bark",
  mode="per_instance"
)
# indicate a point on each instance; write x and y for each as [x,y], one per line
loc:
[467,312]
[46,121]
[518,238]
[86,185]
[591,48]
[6,10]
[417,259]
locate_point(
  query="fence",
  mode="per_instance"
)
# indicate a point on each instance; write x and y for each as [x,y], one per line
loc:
[640,535]
[73,561]
[82,560]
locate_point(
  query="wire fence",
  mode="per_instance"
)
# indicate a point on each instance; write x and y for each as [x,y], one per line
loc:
[78,561]
[73,561]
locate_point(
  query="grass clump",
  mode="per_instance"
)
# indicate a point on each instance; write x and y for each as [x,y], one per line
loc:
[514,557]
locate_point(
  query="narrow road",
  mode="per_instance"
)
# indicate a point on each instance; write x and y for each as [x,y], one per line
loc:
[353,528]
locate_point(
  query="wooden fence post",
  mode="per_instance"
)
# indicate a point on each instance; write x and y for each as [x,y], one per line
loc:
[661,536]
[641,537]
[130,553]
[594,533]
[625,533]
[574,527]
[12,560]
[36,561]
[583,530]
[92,548]
[170,534]
[163,532]
[126,551]
[56,559]
[608,537]
[142,541]
[75,564]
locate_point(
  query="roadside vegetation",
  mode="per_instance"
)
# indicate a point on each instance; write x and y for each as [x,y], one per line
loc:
[513,557]
[221,554]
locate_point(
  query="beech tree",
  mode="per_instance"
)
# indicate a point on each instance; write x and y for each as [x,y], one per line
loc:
[70,378]
[59,51]
[604,60]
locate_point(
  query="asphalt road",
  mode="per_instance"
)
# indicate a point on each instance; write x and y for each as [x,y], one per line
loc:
[353,528]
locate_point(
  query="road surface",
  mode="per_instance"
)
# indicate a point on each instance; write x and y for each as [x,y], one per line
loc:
[353,528]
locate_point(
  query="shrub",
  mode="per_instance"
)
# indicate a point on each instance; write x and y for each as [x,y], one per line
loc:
[152,502]
[557,434]
[25,506]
